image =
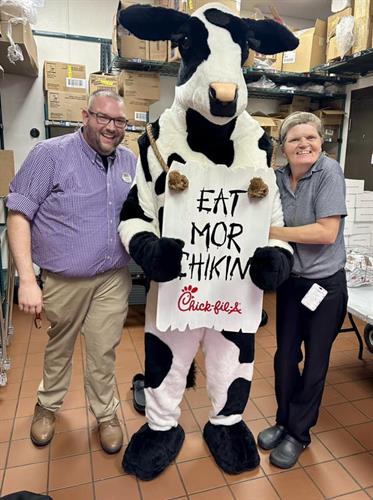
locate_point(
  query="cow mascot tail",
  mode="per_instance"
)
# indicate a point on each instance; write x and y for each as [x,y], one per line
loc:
[208,126]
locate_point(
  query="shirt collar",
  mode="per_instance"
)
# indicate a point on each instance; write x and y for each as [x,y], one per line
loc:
[90,152]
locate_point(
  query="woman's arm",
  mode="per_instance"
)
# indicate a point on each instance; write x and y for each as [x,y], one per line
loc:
[322,232]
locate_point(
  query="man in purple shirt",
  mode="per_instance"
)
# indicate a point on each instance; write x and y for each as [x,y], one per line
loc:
[64,207]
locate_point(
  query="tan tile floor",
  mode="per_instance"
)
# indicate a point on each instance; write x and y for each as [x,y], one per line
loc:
[338,464]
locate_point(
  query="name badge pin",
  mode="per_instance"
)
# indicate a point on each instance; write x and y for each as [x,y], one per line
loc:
[126,177]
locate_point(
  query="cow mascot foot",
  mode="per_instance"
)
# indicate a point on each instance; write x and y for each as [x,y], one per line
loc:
[150,452]
[232,446]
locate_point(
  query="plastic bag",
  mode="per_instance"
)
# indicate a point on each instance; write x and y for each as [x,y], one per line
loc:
[262,83]
[344,33]
[338,5]
[359,267]
[313,87]
[21,10]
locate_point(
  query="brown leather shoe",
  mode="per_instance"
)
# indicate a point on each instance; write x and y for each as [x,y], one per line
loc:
[42,427]
[111,435]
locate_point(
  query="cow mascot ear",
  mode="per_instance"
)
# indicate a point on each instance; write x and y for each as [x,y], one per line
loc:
[151,23]
[269,37]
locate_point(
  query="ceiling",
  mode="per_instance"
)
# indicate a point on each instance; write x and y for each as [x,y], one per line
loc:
[299,9]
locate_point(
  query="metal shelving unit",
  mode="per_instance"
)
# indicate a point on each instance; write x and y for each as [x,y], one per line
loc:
[251,75]
[360,63]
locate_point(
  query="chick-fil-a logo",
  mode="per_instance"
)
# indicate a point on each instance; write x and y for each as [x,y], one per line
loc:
[187,302]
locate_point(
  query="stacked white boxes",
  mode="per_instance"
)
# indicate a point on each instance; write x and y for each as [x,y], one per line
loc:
[359,221]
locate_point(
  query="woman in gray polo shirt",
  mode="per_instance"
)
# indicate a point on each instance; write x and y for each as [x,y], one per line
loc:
[312,191]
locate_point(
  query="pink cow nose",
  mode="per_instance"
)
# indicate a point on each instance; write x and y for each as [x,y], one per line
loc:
[223,92]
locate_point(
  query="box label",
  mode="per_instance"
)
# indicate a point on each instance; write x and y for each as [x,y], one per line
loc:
[76,83]
[289,57]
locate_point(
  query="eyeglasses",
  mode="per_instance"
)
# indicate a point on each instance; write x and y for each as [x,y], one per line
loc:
[105,120]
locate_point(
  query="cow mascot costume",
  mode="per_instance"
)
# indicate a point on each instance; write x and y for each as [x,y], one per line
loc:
[207,125]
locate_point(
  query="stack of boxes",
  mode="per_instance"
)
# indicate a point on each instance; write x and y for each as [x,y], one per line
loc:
[310,51]
[359,222]
[66,90]
[362,10]
[128,46]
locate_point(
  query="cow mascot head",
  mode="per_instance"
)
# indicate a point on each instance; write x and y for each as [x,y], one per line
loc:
[207,132]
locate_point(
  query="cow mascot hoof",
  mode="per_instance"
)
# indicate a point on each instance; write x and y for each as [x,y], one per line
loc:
[150,452]
[232,446]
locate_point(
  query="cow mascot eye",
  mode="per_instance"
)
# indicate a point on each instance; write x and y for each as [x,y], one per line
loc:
[185,43]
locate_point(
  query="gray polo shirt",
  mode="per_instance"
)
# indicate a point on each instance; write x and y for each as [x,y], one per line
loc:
[319,193]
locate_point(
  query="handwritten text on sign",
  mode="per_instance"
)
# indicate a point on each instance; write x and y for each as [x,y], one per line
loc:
[221,228]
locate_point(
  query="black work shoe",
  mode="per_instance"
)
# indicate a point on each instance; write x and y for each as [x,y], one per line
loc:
[271,437]
[138,397]
[286,454]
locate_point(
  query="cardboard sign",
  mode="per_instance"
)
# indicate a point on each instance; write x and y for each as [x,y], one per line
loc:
[221,227]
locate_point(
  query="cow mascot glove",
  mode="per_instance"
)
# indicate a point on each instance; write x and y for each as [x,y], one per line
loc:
[206,124]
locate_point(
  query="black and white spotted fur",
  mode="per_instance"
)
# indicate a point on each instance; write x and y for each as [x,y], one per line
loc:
[213,44]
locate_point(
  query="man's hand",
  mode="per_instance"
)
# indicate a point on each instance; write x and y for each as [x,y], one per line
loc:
[30,297]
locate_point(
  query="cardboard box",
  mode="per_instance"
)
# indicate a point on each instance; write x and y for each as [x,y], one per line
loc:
[11,11]
[365,199]
[310,52]
[66,106]
[362,33]
[173,53]
[334,19]
[6,170]
[359,228]
[358,240]
[250,59]
[277,64]
[21,34]
[130,141]
[137,111]
[364,214]
[157,51]
[332,51]
[139,85]
[270,124]
[354,186]
[131,47]
[299,103]
[332,133]
[103,81]
[363,8]
[350,200]
[193,5]
[330,116]
[64,77]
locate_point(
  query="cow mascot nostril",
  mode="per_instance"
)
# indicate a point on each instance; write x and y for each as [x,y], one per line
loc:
[204,245]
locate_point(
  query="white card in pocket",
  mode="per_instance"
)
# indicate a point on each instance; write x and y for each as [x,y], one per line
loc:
[314,297]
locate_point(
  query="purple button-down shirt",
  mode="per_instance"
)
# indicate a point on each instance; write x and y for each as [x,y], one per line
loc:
[73,205]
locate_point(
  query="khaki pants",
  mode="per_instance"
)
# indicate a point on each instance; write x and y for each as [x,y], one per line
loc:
[97,308]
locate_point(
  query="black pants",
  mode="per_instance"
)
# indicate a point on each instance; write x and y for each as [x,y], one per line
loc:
[299,394]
